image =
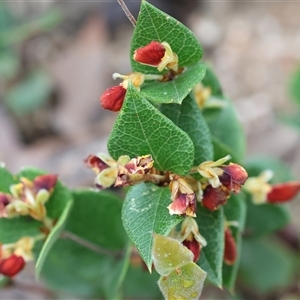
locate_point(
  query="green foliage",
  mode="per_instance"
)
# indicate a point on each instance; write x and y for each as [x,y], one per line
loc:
[265,265]
[94,245]
[135,133]
[145,213]
[226,130]
[189,118]
[211,227]
[176,90]
[155,25]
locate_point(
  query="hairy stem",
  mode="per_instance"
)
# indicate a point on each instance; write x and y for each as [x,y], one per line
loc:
[127,12]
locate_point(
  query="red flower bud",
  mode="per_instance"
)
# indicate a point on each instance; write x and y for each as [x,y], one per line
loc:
[283,192]
[151,54]
[113,98]
[230,252]
[214,197]
[12,265]
[193,246]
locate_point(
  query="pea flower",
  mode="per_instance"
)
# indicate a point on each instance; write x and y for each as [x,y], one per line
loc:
[156,54]
[104,167]
[231,176]
[183,197]
[13,257]
[264,192]
[113,98]
[191,238]
[28,197]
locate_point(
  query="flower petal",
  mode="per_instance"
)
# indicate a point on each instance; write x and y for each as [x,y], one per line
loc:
[12,265]
[113,98]
[230,251]
[283,192]
[214,197]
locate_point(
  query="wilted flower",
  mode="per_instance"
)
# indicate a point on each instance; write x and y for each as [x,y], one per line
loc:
[132,171]
[214,197]
[183,197]
[156,54]
[191,238]
[5,199]
[104,167]
[29,197]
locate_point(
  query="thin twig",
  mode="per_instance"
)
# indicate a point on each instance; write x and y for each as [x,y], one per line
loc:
[75,238]
[127,12]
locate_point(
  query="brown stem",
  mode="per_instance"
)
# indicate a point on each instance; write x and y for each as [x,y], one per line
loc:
[127,12]
[87,244]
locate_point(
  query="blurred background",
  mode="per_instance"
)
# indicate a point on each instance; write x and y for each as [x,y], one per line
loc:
[57,58]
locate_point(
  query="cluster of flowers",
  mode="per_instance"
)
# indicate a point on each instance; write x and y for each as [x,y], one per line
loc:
[155,54]
[212,190]
[217,179]
[27,198]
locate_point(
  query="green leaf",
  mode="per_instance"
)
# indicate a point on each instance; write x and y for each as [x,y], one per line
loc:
[141,129]
[211,227]
[155,25]
[169,254]
[211,80]
[96,217]
[51,239]
[6,179]
[76,269]
[221,150]
[235,210]
[94,220]
[186,284]
[145,212]
[189,118]
[225,127]
[265,265]
[29,94]
[12,230]
[176,90]
[266,218]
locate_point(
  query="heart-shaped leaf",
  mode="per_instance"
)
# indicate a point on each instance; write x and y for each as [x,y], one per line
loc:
[189,118]
[155,25]
[176,90]
[141,129]
[144,213]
